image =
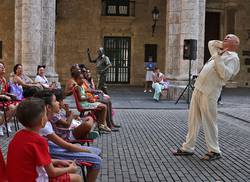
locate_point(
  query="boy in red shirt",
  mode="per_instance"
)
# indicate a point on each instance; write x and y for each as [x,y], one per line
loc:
[2,168]
[28,158]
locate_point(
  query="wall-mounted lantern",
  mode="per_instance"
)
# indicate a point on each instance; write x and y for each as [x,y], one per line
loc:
[155,16]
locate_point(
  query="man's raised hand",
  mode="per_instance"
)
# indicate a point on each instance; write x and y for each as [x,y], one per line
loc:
[222,51]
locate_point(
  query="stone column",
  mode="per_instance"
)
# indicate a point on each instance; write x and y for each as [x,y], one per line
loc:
[28,34]
[35,36]
[48,38]
[185,20]
[18,32]
[173,26]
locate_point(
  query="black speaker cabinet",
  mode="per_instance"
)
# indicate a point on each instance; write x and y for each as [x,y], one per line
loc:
[190,49]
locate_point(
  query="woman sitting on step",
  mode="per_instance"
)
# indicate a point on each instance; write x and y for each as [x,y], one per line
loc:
[42,79]
[159,83]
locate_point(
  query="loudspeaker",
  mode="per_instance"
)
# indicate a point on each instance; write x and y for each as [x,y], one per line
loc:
[190,49]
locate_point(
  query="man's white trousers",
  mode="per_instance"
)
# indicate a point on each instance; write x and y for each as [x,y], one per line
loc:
[203,110]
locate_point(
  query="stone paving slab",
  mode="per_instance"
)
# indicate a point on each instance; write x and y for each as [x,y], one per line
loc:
[134,97]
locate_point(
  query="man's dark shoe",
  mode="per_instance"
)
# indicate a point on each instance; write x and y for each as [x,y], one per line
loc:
[180,152]
[210,156]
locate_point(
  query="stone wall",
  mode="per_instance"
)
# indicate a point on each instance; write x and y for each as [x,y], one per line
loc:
[80,26]
[241,28]
[7,17]
[35,36]
[77,28]
[185,20]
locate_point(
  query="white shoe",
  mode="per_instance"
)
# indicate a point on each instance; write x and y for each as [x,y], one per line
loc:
[150,90]
[1,131]
[145,91]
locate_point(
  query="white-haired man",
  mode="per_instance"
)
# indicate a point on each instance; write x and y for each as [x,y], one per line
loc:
[222,66]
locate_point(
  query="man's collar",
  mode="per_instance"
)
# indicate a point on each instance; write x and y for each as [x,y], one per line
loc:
[231,52]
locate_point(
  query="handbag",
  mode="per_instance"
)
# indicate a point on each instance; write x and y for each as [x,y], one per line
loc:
[16,90]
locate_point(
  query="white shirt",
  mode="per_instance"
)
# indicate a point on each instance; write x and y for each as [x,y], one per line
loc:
[43,80]
[47,130]
[42,175]
[217,72]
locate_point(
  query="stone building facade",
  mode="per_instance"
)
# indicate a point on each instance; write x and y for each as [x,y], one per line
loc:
[58,33]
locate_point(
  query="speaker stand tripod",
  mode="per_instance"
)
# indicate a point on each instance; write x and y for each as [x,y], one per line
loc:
[189,87]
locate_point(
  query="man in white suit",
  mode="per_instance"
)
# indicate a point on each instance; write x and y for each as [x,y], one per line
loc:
[222,66]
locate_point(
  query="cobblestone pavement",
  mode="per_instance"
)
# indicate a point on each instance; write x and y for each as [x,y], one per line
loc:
[141,151]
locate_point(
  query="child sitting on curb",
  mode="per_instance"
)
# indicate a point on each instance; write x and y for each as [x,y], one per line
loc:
[28,155]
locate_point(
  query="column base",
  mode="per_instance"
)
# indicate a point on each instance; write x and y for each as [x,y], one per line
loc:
[53,77]
[232,84]
[176,87]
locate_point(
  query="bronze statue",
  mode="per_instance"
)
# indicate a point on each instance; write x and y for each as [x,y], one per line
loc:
[102,65]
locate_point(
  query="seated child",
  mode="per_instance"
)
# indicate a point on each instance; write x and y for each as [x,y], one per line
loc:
[89,87]
[62,149]
[89,103]
[67,126]
[28,156]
